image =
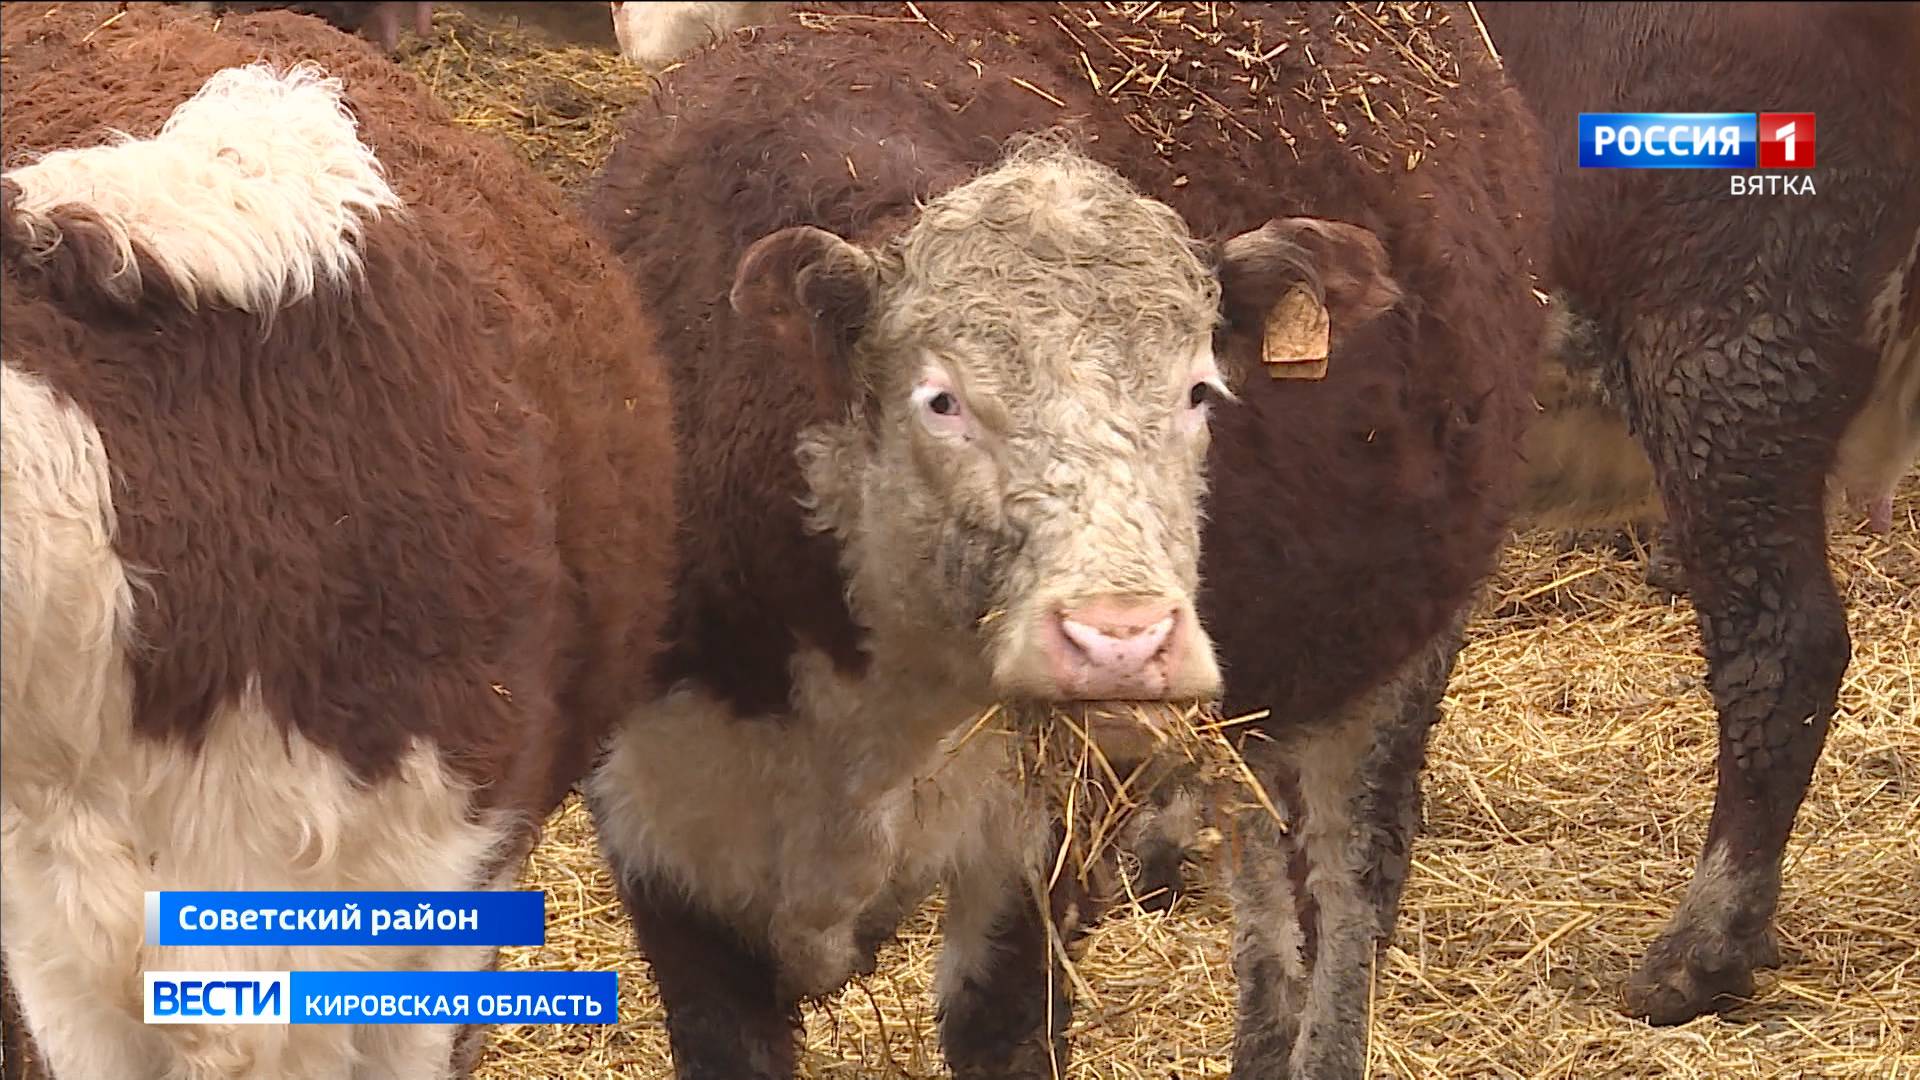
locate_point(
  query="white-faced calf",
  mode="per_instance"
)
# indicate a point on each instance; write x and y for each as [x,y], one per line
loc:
[945,416]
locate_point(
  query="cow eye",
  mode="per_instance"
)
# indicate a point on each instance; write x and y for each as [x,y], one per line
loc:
[1199,395]
[944,404]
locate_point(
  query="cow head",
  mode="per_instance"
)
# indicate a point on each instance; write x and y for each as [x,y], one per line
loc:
[1028,374]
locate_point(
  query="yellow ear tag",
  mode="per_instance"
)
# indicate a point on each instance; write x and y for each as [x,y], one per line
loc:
[1295,346]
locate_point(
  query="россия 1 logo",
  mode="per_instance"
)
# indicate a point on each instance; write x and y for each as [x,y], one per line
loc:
[1705,141]
[1786,140]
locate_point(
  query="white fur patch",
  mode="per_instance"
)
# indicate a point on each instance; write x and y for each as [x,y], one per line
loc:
[92,817]
[256,189]
[796,827]
[658,31]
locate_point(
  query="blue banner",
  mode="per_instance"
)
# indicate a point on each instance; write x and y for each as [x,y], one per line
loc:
[346,918]
[382,997]
[1668,140]
[454,997]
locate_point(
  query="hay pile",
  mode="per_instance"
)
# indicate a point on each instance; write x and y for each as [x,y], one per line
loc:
[559,106]
[1568,793]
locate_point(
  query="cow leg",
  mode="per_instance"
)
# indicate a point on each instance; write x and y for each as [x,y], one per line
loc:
[1775,633]
[1390,792]
[1745,500]
[725,1018]
[1313,903]
[1880,515]
[1003,1000]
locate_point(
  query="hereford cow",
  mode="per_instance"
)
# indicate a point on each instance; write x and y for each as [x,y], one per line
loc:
[1730,355]
[338,515]
[942,412]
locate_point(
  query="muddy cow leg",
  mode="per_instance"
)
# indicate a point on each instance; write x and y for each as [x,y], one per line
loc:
[1390,789]
[1003,999]
[1745,490]
[725,1019]
[1314,903]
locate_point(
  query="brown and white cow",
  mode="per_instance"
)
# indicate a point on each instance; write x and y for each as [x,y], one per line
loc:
[935,399]
[1734,357]
[337,515]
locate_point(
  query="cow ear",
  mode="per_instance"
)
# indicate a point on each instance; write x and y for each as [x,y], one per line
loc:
[808,292]
[1297,284]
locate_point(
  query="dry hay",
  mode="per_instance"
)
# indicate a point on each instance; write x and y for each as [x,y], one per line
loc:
[558,105]
[1567,795]
[1095,764]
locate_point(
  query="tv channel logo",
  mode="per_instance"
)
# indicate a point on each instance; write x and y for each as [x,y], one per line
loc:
[1696,140]
[217,997]
[1786,140]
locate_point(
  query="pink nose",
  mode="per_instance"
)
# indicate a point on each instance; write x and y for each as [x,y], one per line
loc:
[1114,648]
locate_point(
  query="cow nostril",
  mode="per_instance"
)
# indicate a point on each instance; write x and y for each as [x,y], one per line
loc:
[1109,639]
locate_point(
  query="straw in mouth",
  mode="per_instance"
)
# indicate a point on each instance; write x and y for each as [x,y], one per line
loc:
[1096,764]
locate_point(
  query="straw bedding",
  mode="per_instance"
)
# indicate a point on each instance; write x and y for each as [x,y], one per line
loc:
[559,105]
[1568,793]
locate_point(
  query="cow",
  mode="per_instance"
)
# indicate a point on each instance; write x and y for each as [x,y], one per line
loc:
[938,398]
[338,516]
[1730,360]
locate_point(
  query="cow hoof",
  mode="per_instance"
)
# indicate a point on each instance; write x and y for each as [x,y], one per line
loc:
[1692,973]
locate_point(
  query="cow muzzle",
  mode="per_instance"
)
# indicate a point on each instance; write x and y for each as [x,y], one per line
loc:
[1111,648]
